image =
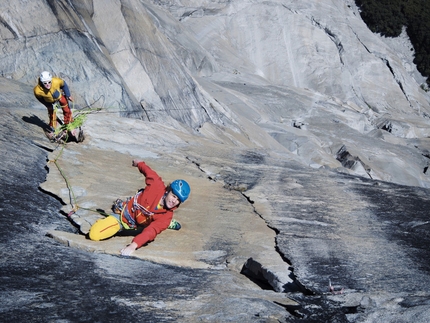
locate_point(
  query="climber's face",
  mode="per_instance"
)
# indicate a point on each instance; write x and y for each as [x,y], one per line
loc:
[171,200]
[47,85]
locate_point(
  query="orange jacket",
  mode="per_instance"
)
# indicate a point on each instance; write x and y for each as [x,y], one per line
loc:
[149,199]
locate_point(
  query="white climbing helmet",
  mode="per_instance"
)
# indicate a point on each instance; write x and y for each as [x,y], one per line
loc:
[45,76]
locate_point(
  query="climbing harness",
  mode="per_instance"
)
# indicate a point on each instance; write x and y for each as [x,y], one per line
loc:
[143,215]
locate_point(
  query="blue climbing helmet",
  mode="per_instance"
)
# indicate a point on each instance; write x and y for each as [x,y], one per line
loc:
[181,189]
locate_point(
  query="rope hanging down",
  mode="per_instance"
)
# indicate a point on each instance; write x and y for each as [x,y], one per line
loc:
[78,121]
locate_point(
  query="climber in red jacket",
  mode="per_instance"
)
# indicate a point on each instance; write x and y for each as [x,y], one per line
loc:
[151,208]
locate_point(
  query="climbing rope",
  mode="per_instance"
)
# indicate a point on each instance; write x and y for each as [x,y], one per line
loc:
[77,122]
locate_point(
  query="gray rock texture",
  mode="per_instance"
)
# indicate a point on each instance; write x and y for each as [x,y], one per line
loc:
[303,135]
[313,67]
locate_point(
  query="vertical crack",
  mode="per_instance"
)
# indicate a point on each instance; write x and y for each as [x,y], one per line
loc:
[387,63]
[334,38]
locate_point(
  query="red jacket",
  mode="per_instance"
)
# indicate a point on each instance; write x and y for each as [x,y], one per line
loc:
[149,199]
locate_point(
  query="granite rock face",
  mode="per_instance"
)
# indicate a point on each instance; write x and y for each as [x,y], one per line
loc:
[310,75]
[303,135]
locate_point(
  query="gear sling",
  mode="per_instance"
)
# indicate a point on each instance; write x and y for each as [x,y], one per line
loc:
[109,226]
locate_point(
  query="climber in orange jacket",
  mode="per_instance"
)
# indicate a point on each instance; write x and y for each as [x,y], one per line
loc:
[50,90]
[151,208]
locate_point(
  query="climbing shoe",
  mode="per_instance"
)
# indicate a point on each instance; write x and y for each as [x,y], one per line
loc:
[81,136]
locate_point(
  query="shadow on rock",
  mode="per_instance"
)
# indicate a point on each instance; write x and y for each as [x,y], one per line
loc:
[35,120]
